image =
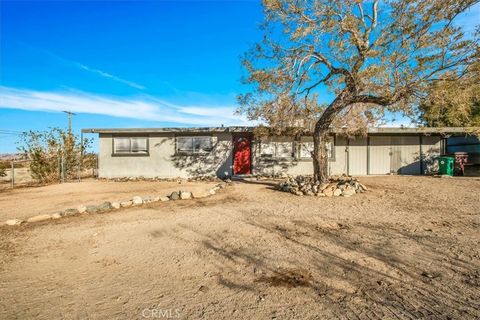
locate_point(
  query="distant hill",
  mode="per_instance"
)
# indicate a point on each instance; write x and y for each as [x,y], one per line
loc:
[9,156]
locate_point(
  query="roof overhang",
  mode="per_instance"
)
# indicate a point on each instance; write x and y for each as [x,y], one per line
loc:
[377,130]
[168,130]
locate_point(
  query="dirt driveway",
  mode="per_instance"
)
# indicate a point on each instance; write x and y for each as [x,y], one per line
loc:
[407,249]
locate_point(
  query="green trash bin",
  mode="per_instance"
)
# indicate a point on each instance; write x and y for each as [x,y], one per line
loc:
[446,165]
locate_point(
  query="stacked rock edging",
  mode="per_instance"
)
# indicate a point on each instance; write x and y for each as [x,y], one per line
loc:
[110,206]
[180,180]
[306,186]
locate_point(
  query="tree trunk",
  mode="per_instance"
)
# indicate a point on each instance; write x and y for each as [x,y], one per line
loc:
[321,136]
[320,156]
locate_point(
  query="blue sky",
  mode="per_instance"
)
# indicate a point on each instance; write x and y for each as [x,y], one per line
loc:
[125,64]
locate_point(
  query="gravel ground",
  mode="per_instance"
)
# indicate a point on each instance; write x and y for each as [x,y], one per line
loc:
[407,249]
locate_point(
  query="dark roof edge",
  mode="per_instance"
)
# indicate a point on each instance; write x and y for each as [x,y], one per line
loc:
[378,130]
[167,130]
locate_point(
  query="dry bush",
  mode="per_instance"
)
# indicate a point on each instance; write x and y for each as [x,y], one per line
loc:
[48,150]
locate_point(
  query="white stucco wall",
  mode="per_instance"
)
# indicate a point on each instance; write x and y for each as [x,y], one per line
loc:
[162,161]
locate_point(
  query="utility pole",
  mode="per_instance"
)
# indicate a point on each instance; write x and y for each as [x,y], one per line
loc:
[69,121]
[68,151]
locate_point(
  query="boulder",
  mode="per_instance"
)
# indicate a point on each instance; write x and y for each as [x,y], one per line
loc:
[211,191]
[57,215]
[41,217]
[116,205]
[184,195]
[320,194]
[328,192]
[348,192]
[14,222]
[174,195]
[70,212]
[324,186]
[105,206]
[137,201]
[163,198]
[337,192]
[362,186]
[126,204]
[92,209]
[148,200]
[82,209]
[200,194]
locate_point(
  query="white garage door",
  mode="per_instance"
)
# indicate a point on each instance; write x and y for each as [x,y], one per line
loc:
[406,155]
[357,156]
[380,148]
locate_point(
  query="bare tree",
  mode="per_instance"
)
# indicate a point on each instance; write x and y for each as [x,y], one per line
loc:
[373,57]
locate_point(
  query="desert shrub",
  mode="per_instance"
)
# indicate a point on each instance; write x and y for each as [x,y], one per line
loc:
[46,149]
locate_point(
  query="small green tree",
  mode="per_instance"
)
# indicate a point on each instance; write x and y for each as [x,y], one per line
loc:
[46,149]
[453,102]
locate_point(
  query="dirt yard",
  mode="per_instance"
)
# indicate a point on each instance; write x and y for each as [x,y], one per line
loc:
[22,203]
[407,249]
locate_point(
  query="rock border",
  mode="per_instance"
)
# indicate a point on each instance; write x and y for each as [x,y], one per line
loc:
[344,186]
[107,206]
[179,180]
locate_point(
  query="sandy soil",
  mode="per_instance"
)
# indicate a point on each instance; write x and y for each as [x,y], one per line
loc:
[22,177]
[22,203]
[407,249]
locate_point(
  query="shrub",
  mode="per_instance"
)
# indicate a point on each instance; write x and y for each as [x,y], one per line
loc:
[46,151]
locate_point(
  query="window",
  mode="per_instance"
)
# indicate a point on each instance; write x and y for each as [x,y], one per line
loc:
[198,144]
[284,149]
[306,149]
[267,149]
[276,149]
[130,145]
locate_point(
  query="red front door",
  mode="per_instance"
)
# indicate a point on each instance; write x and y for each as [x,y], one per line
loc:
[241,155]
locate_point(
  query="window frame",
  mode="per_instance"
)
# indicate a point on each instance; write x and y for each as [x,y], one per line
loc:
[193,152]
[275,149]
[332,140]
[130,153]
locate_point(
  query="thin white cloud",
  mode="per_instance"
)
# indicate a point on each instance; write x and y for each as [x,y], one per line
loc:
[75,64]
[110,76]
[142,107]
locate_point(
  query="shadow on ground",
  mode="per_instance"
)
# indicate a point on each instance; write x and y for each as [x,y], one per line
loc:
[356,271]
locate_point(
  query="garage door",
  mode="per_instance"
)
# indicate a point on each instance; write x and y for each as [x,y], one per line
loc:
[357,156]
[406,155]
[380,148]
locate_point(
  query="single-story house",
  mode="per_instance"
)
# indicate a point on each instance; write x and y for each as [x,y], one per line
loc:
[229,151]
